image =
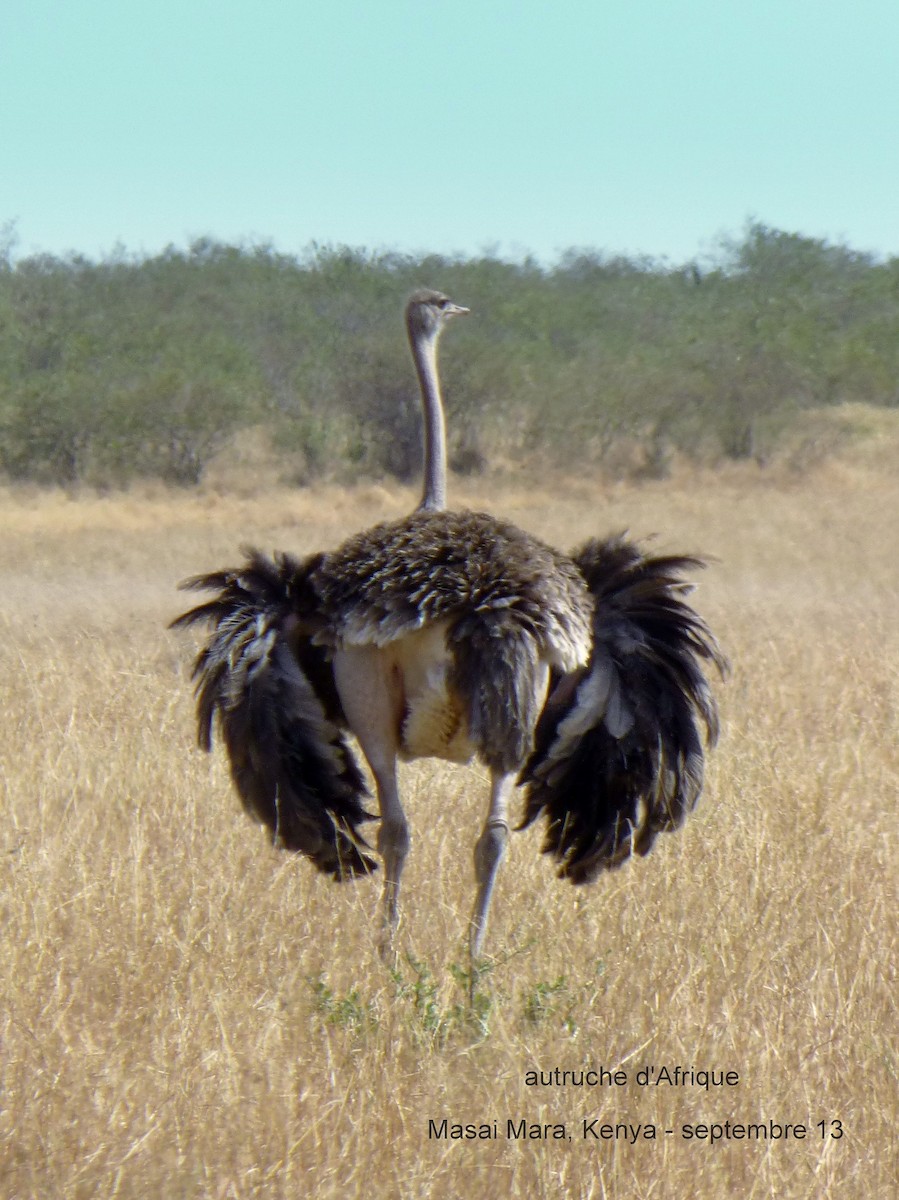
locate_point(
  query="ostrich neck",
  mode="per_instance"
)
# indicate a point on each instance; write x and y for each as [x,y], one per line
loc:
[424,352]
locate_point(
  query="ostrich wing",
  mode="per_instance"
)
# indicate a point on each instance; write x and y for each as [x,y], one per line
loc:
[619,746]
[278,713]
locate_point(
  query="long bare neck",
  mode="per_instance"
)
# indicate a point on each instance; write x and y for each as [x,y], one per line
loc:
[424,352]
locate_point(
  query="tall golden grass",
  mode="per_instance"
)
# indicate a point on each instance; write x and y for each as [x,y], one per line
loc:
[188,1013]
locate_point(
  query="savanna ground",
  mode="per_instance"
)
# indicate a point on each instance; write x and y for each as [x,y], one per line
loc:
[185,1012]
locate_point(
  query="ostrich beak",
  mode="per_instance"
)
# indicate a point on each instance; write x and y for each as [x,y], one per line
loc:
[456,310]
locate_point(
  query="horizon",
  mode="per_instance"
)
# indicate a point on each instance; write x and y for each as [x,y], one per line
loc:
[713,257]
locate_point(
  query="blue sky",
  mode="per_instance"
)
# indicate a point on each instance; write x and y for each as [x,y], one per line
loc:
[643,127]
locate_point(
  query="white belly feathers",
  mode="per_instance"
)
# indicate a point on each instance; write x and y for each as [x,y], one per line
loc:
[435,723]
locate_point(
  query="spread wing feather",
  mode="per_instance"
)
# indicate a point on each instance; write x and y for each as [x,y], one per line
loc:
[272,692]
[619,750]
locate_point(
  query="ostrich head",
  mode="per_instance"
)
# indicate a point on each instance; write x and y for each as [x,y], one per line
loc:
[428,312]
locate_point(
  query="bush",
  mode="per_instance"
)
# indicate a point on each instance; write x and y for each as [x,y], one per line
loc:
[127,368]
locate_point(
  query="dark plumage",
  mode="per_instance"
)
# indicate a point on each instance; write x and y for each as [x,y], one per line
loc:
[619,746]
[273,694]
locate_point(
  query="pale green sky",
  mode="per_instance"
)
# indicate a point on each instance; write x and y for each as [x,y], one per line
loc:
[640,127]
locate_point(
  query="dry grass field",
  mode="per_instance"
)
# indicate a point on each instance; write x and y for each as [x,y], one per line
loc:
[185,1012]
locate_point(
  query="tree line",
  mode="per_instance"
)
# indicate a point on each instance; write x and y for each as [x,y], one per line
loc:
[124,368]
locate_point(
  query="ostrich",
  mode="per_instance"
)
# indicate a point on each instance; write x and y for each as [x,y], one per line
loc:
[455,635]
